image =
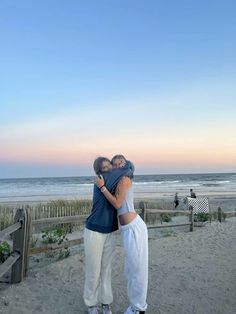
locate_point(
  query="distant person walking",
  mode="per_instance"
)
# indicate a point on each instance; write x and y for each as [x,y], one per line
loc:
[176,200]
[192,194]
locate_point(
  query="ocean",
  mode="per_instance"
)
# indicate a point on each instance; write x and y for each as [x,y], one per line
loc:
[145,187]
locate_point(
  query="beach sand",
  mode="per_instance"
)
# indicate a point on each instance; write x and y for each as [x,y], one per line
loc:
[189,272]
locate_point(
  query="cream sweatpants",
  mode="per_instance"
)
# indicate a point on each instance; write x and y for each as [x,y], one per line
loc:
[99,253]
[135,242]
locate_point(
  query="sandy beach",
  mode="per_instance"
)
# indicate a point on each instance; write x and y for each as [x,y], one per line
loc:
[189,272]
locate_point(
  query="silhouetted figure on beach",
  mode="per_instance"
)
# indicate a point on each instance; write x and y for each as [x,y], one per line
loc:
[176,200]
[192,194]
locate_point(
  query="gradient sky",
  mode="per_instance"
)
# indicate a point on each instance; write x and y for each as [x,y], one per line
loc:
[154,80]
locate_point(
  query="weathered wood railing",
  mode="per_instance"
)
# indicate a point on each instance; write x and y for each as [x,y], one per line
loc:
[80,219]
[221,215]
[18,261]
[145,212]
[76,219]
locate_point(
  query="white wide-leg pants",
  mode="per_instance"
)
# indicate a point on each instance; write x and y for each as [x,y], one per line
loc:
[99,253]
[135,242]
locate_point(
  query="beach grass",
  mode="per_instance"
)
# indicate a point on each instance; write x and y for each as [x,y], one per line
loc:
[61,207]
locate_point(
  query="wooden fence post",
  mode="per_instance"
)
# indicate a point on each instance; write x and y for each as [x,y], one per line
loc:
[210,213]
[28,235]
[143,207]
[191,219]
[19,246]
[219,214]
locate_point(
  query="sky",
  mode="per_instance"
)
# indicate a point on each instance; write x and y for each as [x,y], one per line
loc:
[153,80]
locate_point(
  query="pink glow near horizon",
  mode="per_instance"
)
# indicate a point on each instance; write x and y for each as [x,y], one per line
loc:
[147,155]
[76,141]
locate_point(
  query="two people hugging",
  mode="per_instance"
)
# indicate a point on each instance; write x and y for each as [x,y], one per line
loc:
[112,202]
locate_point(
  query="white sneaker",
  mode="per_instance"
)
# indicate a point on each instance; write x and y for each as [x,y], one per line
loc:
[106,309]
[131,310]
[93,310]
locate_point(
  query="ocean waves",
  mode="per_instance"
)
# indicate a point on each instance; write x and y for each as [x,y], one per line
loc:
[82,187]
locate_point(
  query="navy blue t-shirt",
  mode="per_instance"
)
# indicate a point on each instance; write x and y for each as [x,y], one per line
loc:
[103,217]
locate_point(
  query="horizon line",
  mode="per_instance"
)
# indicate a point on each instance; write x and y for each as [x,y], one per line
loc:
[138,174]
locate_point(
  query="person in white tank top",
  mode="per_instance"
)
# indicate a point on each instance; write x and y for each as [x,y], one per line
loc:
[134,237]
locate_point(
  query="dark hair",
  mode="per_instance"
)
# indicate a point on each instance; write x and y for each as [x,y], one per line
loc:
[118,157]
[97,164]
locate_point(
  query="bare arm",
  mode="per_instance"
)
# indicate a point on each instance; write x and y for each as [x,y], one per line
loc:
[117,199]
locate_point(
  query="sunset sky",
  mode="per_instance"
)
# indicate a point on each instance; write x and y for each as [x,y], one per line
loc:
[153,80]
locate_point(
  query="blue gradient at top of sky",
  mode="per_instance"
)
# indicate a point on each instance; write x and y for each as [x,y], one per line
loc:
[61,56]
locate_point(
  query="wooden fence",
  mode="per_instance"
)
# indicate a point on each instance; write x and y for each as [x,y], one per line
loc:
[17,263]
[150,217]
[22,233]
[80,219]
[42,211]
[76,219]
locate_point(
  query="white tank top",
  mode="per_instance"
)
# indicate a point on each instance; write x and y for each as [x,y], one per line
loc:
[128,204]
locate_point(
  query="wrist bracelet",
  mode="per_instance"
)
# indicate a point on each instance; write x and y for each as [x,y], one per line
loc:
[103,189]
[102,186]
